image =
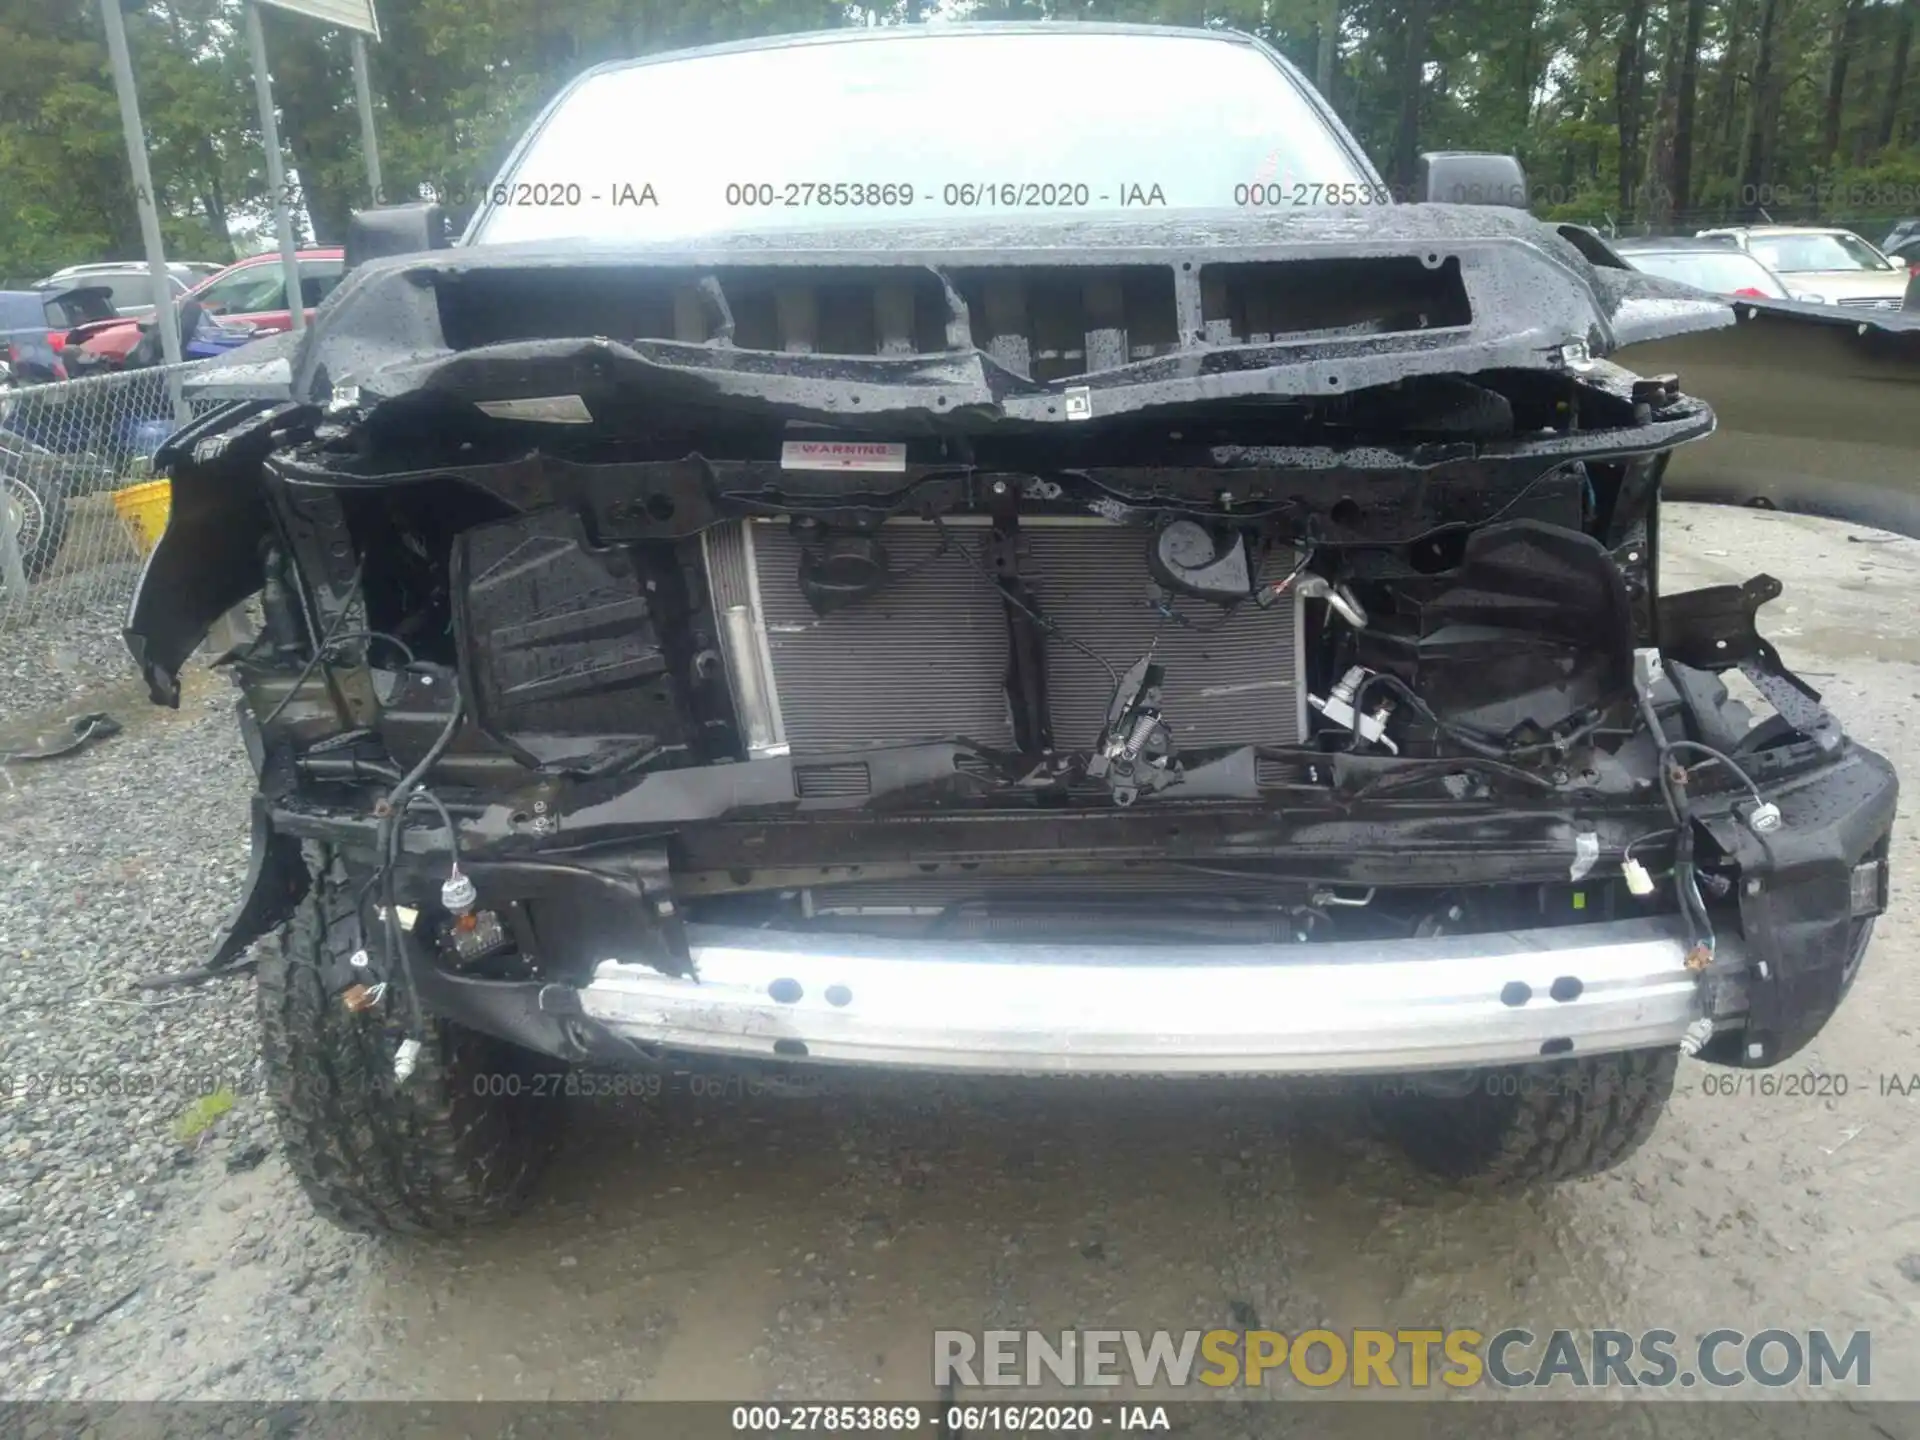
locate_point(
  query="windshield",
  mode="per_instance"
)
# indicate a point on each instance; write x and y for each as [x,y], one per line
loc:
[1722,272]
[80,307]
[254,289]
[124,289]
[843,132]
[1792,254]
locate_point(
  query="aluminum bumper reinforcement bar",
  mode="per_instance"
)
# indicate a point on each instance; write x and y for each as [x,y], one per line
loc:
[1344,1007]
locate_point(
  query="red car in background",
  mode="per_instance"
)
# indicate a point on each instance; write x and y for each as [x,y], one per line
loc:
[248,297]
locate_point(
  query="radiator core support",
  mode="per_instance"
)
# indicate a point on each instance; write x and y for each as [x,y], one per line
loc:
[926,657]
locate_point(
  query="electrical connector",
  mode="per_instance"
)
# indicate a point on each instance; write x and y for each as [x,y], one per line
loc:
[405,1058]
[1639,882]
[1764,818]
[457,893]
[1697,1036]
[1337,706]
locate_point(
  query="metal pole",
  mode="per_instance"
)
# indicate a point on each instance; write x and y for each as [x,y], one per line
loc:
[164,313]
[276,169]
[363,92]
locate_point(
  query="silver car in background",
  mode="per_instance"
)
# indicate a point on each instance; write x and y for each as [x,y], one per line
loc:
[1824,264]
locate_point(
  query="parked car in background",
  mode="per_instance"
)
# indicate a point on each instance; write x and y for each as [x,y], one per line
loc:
[40,466]
[1903,245]
[35,326]
[1704,264]
[129,283]
[243,302]
[1824,264]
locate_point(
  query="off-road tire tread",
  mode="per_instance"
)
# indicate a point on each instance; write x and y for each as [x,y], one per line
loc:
[432,1156]
[1568,1119]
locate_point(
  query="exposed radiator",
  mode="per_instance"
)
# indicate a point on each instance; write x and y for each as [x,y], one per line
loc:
[926,658]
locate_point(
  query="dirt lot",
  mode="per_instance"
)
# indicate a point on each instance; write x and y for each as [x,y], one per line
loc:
[722,1243]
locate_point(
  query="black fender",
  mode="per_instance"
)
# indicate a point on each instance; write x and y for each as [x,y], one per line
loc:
[277,881]
[209,558]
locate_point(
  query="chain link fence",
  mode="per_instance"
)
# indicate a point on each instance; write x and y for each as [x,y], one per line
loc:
[80,507]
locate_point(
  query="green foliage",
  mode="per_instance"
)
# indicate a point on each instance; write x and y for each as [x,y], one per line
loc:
[457,80]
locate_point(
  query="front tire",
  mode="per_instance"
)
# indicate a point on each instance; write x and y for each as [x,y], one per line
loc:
[1533,1124]
[39,518]
[439,1153]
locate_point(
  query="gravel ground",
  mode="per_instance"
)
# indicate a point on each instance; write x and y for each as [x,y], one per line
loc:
[720,1243]
[69,646]
[120,862]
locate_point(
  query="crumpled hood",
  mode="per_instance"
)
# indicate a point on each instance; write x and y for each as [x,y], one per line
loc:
[1232,305]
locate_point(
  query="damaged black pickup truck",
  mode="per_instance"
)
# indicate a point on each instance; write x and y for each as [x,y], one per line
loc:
[1140,600]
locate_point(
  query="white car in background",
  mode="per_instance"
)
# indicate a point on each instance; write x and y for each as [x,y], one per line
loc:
[1710,265]
[1823,264]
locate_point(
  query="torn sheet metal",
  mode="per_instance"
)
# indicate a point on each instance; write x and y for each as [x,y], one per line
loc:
[82,731]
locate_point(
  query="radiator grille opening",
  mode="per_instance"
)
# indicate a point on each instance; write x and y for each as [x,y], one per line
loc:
[1044,322]
[1262,302]
[1071,320]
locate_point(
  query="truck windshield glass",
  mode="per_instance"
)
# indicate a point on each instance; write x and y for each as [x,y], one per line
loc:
[922,127]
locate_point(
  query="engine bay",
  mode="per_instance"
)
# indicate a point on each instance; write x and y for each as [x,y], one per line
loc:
[1106,613]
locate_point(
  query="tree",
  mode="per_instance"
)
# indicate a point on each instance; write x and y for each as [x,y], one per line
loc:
[1629,80]
[1606,101]
[1660,202]
[1328,50]
[1846,15]
[1726,87]
[1413,67]
[1902,49]
[1684,113]
[1754,149]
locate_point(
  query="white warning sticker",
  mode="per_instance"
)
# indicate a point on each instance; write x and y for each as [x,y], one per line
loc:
[551,409]
[842,455]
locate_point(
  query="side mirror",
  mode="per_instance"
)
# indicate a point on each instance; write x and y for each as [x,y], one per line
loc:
[395,230]
[1592,244]
[1471,177]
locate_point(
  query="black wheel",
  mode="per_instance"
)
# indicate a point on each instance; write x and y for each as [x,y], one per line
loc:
[461,1141]
[39,519]
[1559,1120]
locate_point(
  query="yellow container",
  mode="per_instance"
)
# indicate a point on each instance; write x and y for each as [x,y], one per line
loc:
[145,508]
